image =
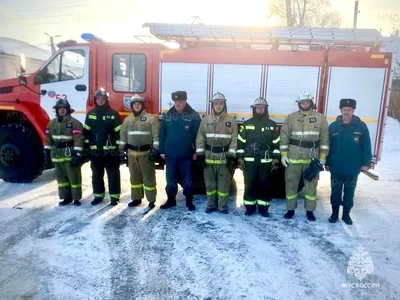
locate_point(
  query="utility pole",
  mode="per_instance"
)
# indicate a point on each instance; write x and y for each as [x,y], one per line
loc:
[355,15]
[289,13]
[53,48]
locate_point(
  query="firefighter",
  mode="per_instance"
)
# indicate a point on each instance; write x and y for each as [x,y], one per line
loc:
[350,153]
[216,145]
[258,155]
[177,146]
[102,126]
[139,136]
[304,136]
[63,146]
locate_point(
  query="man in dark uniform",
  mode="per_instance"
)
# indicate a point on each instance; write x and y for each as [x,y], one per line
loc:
[177,146]
[258,153]
[350,154]
[102,128]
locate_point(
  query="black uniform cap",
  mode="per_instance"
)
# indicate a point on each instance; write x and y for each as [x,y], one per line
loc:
[179,95]
[348,103]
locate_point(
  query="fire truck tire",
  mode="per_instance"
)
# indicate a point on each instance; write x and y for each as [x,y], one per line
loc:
[21,154]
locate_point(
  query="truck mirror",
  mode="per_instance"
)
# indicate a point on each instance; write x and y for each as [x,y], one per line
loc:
[22,79]
[22,67]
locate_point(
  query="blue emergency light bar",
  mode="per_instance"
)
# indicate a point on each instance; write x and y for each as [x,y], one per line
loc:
[91,38]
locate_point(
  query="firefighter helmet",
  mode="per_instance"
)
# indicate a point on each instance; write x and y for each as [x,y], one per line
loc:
[137,98]
[218,97]
[260,102]
[305,97]
[63,103]
[101,93]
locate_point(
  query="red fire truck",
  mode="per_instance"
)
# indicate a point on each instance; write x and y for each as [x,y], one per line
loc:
[243,63]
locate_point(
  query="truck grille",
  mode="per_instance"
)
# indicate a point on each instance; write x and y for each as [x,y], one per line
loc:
[5,90]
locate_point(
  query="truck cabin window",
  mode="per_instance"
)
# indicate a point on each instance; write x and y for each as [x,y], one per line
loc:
[129,73]
[67,65]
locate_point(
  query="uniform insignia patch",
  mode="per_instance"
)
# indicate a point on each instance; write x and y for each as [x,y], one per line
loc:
[108,117]
[76,131]
[47,131]
[313,120]
[277,129]
[143,118]
[69,125]
[228,124]
[187,127]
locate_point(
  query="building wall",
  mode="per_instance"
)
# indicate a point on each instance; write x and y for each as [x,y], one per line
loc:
[10,65]
[394,105]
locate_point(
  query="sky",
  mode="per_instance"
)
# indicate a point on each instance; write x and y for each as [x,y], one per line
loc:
[120,20]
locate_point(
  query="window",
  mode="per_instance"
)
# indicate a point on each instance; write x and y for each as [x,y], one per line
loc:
[129,73]
[67,65]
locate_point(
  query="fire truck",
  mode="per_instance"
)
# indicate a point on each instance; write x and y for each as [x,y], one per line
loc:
[243,63]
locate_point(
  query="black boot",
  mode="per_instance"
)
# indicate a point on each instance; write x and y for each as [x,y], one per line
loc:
[210,210]
[151,205]
[96,200]
[224,211]
[171,202]
[250,209]
[310,216]
[289,214]
[134,203]
[66,201]
[263,210]
[335,214]
[346,216]
[114,201]
[77,203]
[189,203]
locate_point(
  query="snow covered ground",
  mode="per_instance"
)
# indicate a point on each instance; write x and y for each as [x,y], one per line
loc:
[52,252]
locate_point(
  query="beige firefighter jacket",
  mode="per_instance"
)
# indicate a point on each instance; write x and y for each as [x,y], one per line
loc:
[63,138]
[217,131]
[139,131]
[304,126]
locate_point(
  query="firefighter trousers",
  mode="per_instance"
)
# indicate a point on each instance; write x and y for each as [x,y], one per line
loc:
[69,180]
[217,179]
[293,174]
[257,186]
[143,175]
[179,169]
[110,162]
[342,190]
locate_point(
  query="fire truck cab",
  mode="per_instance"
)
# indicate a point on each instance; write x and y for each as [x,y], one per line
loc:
[240,62]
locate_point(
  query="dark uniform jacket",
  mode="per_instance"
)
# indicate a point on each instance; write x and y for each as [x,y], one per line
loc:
[350,147]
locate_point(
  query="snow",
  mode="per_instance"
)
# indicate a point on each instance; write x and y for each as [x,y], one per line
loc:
[104,252]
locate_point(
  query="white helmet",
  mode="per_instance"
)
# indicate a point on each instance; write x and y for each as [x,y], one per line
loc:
[305,97]
[260,102]
[217,97]
[137,98]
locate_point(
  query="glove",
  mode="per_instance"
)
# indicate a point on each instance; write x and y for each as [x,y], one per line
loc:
[201,160]
[153,155]
[76,159]
[123,158]
[230,162]
[274,165]
[47,158]
[285,161]
[241,164]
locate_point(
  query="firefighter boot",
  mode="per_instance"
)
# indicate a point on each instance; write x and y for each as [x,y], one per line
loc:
[114,201]
[67,200]
[134,203]
[310,216]
[263,210]
[77,203]
[209,210]
[289,214]
[151,205]
[171,202]
[250,209]
[346,216]
[96,200]
[335,214]
[189,203]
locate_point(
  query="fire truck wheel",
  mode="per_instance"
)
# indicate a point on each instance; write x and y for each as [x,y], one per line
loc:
[21,153]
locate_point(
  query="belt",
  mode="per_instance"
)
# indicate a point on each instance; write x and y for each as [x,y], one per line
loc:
[304,144]
[217,149]
[139,148]
[64,144]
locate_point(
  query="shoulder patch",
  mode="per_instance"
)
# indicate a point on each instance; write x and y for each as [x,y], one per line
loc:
[47,131]
[69,125]
[143,118]
[228,124]
[313,120]
[77,131]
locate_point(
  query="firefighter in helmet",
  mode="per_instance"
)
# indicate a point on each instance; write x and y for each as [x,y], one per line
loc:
[63,147]
[258,154]
[216,145]
[102,126]
[304,137]
[139,136]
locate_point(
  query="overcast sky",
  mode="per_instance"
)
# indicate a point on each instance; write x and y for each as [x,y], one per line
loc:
[119,20]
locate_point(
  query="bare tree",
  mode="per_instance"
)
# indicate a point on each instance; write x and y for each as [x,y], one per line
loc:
[305,13]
